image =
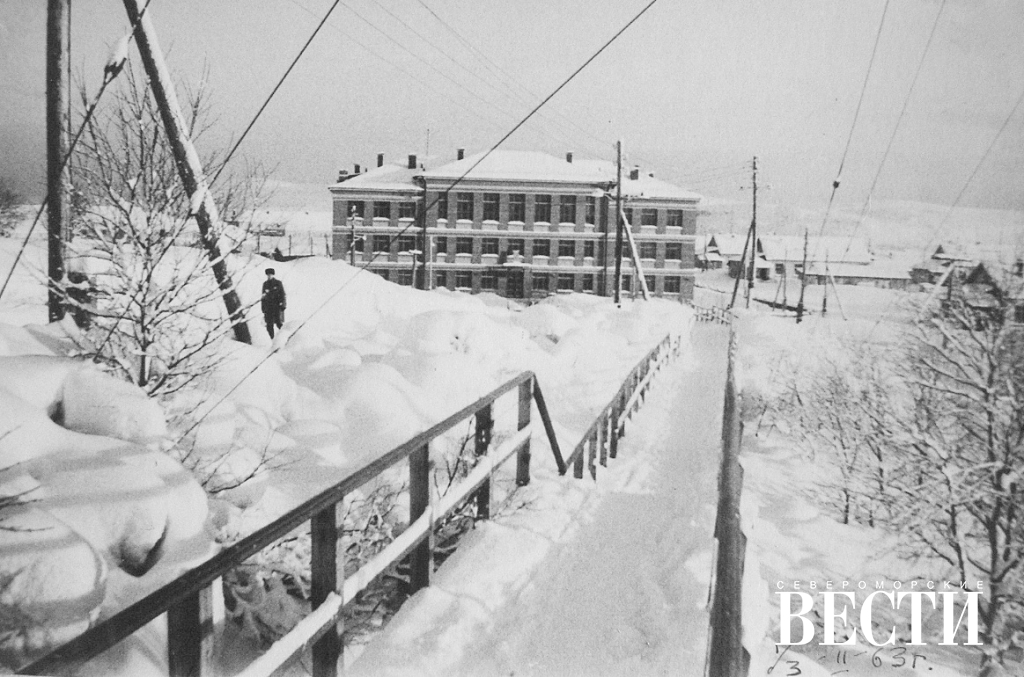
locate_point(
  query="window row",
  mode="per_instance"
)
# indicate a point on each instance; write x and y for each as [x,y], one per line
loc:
[542,207]
[492,245]
[671,284]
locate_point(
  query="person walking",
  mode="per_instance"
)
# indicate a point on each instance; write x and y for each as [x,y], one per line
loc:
[273,302]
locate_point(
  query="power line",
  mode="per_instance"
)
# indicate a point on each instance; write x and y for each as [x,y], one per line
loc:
[273,92]
[899,120]
[856,115]
[110,71]
[401,232]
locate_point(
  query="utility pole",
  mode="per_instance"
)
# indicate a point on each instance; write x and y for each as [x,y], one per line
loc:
[352,236]
[425,244]
[57,174]
[824,290]
[190,168]
[753,241]
[618,222]
[740,271]
[803,284]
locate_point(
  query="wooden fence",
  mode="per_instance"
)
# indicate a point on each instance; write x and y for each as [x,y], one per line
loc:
[726,655]
[187,600]
[712,314]
[601,440]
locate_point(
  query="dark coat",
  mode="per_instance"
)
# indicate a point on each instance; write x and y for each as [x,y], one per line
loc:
[273,301]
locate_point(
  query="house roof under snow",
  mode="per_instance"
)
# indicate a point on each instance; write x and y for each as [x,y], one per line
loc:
[520,165]
[730,245]
[790,248]
[387,177]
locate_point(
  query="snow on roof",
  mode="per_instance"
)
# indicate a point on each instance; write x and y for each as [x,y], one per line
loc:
[730,245]
[875,271]
[650,187]
[833,249]
[519,165]
[386,177]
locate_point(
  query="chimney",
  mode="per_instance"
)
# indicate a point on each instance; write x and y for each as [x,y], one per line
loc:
[568,157]
[380,159]
[634,173]
[342,175]
[651,175]
[357,170]
[460,153]
[412,162]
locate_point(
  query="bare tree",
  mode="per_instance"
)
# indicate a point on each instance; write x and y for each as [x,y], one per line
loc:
[140,283]
[10,208]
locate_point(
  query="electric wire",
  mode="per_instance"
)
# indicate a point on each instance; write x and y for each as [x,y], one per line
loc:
[425,209]
[896,128]
[108,77]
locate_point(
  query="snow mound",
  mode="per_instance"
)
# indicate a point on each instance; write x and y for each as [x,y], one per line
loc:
[98,404]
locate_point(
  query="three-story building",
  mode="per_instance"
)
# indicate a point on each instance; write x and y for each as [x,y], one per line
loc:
[519,224]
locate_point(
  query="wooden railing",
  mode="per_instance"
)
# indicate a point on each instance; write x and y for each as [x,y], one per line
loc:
[712,314]
[188,600]
[601,440]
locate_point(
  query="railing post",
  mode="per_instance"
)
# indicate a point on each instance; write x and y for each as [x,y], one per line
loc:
[323,531]
[577,467]
[523,462]
[613,440]
[190,634]
[420,559]
[484,430]
[602,436]
[592,455]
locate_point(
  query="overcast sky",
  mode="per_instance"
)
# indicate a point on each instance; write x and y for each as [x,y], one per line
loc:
[694,89]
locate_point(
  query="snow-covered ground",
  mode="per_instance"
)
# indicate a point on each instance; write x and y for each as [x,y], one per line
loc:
[360,366]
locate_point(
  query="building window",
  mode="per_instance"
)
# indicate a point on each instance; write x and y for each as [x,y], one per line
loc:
[672,284]
[358,244]
[542,208]
[442,206]
[404,277]
[357,208]
[629,215]
[542,247]
[406,243]
[648,250]
[463,245]
[441,245]
[566,282]
[382,210]
[541,281]
[674,218]
[464,279]
[464,207]
[488,281]
[674,251]
[780,268]
[489,245]
[407,210]
[516,207]
[591,216]
[441,280]
[491,206]
[516,245]
[588,248]
[567,248]
[587,282]
[567,209]
[648,217]
[650,282]
[627,283]
[382,243]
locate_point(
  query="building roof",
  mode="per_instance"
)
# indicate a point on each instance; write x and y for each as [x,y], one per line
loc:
[833,249]
[519,165]
[874,271]
[730,245]
[386,177]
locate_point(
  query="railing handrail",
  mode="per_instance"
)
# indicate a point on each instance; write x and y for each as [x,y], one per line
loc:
[118,627]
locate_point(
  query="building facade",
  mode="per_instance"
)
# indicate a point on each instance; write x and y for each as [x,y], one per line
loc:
[519,224]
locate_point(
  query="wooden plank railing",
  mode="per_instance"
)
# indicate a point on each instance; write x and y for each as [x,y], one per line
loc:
[187,600]
[712,314]
[601,440]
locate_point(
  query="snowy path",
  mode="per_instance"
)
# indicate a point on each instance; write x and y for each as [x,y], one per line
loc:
[605,579]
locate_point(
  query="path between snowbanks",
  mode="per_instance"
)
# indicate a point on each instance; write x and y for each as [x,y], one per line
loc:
[589,579]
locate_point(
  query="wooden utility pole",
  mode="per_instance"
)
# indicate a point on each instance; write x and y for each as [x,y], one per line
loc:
[803,284]
[57,174]
[186,159]
[824,290]
[739,273]
[618,222]
[753,235]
